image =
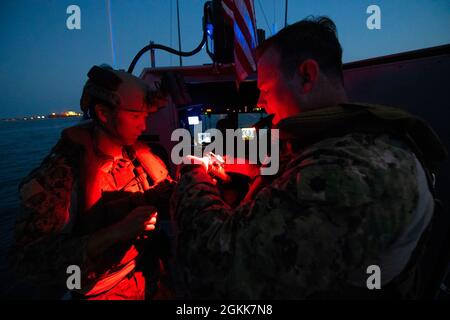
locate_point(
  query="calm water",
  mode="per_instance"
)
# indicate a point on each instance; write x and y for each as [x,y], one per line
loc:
[23,145]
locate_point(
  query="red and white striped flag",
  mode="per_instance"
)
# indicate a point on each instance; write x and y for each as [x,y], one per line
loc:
[241,14]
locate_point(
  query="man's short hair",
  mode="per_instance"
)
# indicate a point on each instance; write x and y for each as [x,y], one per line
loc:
[311,38]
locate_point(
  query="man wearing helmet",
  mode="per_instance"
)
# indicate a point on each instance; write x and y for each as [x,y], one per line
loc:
[94,201]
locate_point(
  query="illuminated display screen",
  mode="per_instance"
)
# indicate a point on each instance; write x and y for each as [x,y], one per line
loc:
[204,137]
[248,133]
[193,120]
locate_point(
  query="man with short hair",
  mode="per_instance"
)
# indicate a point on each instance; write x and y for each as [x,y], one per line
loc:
[351,192]
[93,202]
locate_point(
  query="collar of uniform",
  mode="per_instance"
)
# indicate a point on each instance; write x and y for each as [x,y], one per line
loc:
[109,163]
[312,126]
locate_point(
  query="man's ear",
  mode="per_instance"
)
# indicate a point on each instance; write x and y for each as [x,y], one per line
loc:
[102,112]
[309,73]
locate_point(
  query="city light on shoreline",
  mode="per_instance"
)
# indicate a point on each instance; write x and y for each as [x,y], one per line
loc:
[53,115]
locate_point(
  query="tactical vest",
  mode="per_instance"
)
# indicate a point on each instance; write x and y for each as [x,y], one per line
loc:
[311,127]
[105,194]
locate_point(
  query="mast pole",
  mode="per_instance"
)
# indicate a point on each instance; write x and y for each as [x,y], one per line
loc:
[179,32]
[285,13]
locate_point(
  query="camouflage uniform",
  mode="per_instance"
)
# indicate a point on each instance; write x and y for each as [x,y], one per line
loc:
[341,201]
[52,230]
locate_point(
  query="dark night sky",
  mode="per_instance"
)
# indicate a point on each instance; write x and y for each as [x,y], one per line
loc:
[43,65]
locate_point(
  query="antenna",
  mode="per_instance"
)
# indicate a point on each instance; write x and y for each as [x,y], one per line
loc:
[265,18]
[179,32]
[153,46]
[111,38]
[285,13]
[171,30]
[274,25]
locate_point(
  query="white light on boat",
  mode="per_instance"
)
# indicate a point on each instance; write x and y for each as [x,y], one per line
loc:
[193,120]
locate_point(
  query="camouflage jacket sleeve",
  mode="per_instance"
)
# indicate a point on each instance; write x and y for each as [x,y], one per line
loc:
[44,245]
[334,209]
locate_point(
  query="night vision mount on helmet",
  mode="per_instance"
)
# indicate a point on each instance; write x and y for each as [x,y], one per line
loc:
[119,89]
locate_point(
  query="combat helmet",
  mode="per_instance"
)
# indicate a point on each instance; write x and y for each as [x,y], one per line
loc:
[119,89]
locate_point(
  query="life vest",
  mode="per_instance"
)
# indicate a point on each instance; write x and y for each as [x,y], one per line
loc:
[103,198]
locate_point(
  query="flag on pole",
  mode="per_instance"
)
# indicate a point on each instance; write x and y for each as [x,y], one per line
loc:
[241,15]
